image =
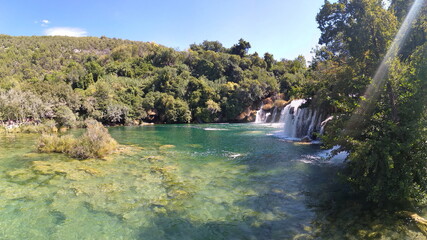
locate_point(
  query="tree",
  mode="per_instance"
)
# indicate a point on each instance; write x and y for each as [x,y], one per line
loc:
[65,117]
[116,113]
[358,29]
[214,46]
[241,48]
[269,60]
[384,144]
[92,67]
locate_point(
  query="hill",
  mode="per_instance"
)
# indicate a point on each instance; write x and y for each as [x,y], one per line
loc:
[123,82]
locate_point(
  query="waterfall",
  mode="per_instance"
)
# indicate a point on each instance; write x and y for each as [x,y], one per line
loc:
[323,124]
[273,118]
[282,116]
[261,116]
[300,123]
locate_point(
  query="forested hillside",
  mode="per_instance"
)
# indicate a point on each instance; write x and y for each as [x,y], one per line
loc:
[125,82]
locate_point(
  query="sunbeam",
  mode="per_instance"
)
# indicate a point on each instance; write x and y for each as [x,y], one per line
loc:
[371,94]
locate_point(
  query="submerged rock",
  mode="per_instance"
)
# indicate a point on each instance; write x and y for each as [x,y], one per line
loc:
[21,175]
[167,146]
[152,159]
[89,170]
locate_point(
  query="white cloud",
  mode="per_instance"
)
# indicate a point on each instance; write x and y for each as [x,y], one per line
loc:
[43,22]
[65,31]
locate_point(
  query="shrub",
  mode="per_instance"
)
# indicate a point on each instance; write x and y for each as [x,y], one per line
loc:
[52,143]
[30,129]
[48,126]
[96,142]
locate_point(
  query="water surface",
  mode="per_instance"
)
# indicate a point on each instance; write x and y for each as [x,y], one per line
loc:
[216,181]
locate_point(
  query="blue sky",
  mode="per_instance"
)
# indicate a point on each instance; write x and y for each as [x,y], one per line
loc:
[285,28]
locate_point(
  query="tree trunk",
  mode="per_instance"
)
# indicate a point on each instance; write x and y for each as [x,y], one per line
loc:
[392,99]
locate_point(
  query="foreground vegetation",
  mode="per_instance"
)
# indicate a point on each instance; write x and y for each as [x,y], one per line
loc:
[96,142]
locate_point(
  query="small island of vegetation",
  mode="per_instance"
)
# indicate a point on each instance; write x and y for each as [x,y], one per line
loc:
[96,142]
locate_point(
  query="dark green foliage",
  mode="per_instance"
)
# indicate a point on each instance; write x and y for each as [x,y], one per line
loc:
[167,108]
[240,48]
[208,46]
[389,158]
[386,139]
[269,60]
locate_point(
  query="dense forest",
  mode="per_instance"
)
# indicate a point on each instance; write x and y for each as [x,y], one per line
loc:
[126,82]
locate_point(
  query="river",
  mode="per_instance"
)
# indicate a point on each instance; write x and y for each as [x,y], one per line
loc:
[213,181]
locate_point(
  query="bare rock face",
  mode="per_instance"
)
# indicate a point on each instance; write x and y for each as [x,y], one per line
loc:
[246,116]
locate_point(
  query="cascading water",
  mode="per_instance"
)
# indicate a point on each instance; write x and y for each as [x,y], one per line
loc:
[273,118]
[299,122]
[261,116]
[323,124]
[282,116]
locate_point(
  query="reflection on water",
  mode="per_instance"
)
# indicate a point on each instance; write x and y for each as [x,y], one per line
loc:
[182,182]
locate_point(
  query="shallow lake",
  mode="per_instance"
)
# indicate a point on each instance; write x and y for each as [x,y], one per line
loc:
[213,181]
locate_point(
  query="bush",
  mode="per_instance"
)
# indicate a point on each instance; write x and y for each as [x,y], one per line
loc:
[30,129]
[52,143]
[96,142]
[48,126]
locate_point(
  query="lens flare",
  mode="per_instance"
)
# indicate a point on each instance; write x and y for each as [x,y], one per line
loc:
[372,92]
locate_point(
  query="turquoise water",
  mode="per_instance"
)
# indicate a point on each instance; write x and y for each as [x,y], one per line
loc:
[216,181]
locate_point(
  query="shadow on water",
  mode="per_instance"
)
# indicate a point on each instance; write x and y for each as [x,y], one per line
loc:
[181,228]
[340,214]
